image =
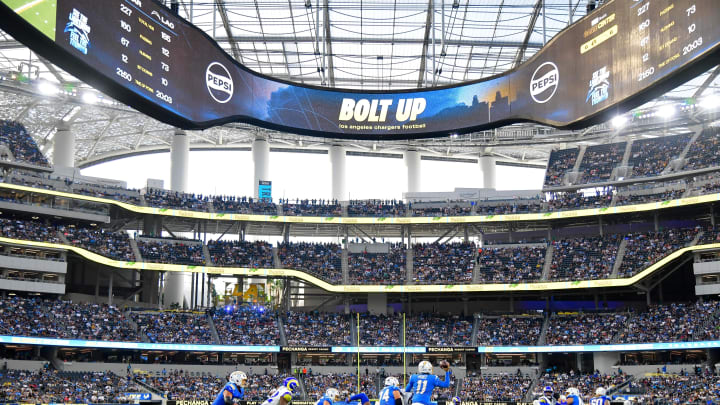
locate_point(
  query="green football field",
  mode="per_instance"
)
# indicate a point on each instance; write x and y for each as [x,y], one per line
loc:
[39,13]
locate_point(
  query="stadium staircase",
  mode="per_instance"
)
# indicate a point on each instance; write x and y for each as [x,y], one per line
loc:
[628,153]
[276,259]
[531,388]
[303,388]
[619,258]
[409,258]
[542,339]
[281,329]
[213,330]
[206,255]
[354,331]
[680,161]
[143,202]
[344,266]
[617,388]
[548,262]
[136,250]
[697,238]
[136,328]
[62,238]
[476,325]
[210,206]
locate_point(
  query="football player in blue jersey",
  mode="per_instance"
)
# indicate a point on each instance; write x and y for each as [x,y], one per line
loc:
[331,396]
[390,395]
[234,390]
[573,397]
[421,385]
[600,397]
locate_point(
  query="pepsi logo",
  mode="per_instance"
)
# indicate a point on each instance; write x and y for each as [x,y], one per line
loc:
[544,82]
[219,82]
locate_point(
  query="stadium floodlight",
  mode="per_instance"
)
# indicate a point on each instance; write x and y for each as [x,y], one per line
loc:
[666,111]
[619,121]
[710,102]
[47,88]
[89,97]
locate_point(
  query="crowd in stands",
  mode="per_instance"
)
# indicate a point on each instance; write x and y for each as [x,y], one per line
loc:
[600,160]
[178,385]
[115,245]
[377,208]
[585,383]
[52,386]
[449,209]
[511,264]
[443,263]
[243,205]
[683,388]
[704,151]
[504,207]
[438,330]
[174,327]
[649,157]
[674,323]
[561,162]
[322,260]
[157,251]
[378,268]
[509,331]
[241,254]
[312,208]
[574,201]
[63,319]
[495,388]
[380,330]
[644,249]
[584,258]
[174,199]
[630,199]
[576,329]
[317,329]
[246,325]
[28,230]
[18,141]
[345,383]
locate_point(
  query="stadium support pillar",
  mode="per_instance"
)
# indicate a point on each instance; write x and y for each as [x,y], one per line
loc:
[487,165]
[179,161]
[110,287]
[261,162]
[377,304]
[412,162]
[337,163]
[64,147]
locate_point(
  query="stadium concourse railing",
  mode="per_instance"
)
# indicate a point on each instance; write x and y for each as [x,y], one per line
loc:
[352,288]
[541,216]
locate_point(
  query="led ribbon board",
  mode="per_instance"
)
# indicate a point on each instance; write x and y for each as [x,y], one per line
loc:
[138,51]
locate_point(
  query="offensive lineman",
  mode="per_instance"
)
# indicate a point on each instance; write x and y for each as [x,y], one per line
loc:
[600,397]
[282,395]
[422,385]
[234,390]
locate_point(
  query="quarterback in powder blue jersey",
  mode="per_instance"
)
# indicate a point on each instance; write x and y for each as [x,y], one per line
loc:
[331,396]
[234,390]
[573,397]
[422,385]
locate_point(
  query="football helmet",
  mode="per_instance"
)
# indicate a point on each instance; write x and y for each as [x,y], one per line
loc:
[239,378]
[425,367]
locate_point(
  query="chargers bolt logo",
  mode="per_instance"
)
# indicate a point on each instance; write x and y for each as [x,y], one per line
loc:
[219,82]
[544,82]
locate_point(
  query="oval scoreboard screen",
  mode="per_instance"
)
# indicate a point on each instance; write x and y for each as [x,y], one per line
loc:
[138,51]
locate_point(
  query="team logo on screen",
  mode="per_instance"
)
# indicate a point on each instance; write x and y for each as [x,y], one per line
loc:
[599,86]
[544,82]
[79,31]
[219,82]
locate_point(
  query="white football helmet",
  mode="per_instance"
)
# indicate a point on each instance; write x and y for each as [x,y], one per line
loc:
[391,382]
[600,391]
[425,367]
[573,391]
[239,378]
[333,394]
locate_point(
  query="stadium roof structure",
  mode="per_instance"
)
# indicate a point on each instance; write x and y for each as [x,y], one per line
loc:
[362,44]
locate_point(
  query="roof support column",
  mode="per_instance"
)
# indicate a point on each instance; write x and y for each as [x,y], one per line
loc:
[64,147]
[179,161]
[337,163]
[412,162]
[487,165]
[261,162]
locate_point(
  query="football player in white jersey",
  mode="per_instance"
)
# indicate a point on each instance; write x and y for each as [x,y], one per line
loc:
[282,395]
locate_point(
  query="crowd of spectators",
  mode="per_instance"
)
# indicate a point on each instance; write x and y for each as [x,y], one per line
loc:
[438,330]
[246,325]
[317,329]
[312,208]
[649,157]
[241,254]
[451,263]
[511,264]
[703,152]
[561,162]
[644,249]
[380,330]
[495,388]
[28,230]
[600,160]
[115,245]
[674,323]
[323,260]
[586,258]
[449,209]
[377,208]
[580,329]
[585,383]
[63,319]
[574,201]
[630,199]
[675,389]
[504,207]
[174,199]
[22,146]
[509,331]
[56,387]
[174,327]
[378,268]
[169,251]
[243,205]
[180,386]
[345,383]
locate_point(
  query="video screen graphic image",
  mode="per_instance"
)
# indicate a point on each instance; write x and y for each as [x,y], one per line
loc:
[39,13]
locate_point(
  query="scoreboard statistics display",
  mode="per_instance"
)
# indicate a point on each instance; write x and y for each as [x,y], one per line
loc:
[616,58]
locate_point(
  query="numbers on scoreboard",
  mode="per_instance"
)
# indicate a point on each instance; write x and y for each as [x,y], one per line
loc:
[124,42]
[692,46]
[125,75]
[690,11]
[166,52]
[165,37]
[644,41]
[647,73]
[164,97]
[125,26]
[125,10]
[643,9]
[124,58]
[165,66]
[644,25]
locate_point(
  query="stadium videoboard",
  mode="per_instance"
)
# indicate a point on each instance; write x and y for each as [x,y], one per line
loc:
[140,52]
